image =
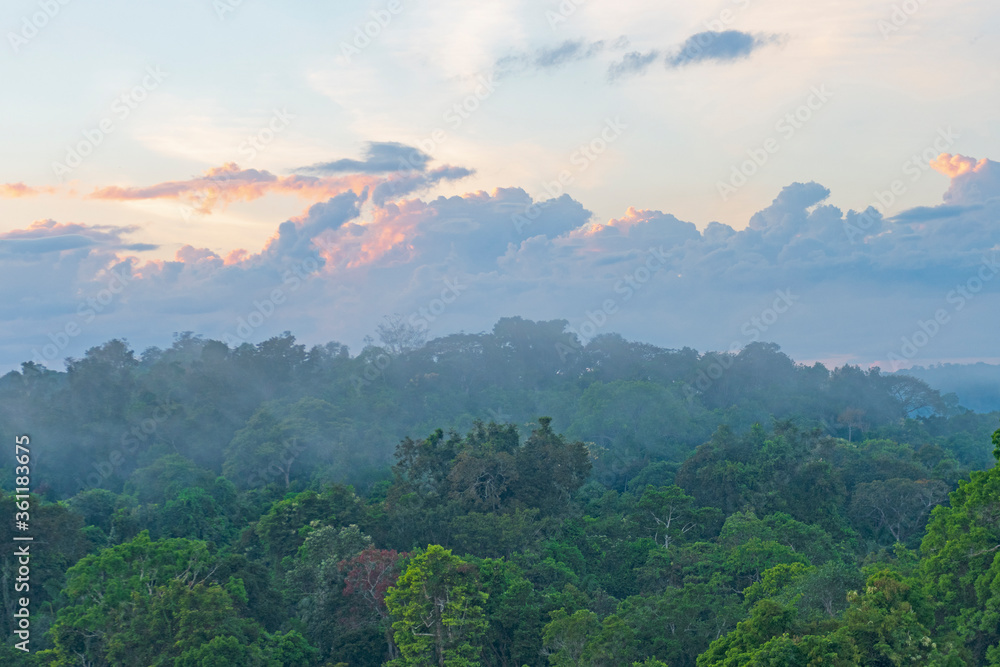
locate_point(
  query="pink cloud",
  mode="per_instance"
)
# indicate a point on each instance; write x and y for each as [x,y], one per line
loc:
[220,186]
[18,190]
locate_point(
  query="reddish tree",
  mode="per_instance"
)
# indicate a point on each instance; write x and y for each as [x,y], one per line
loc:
[369,575]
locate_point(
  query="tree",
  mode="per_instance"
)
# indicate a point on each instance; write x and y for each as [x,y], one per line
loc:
[897,506]
[581,640]
[767,620]
[287,524]
[368,577]
[165,478]
[196,514]
[437,611]
[633,420]
[914,395]
[485,469]
[668,514]
[313,585]
[273,440]
[147,602]
[888,622]
[58,543]
[566,636]
[399,336]
[483,478]
[513,611]
[102,382]
[680,623]
[852,418]
[550,470]
[613,645]
[961,568]
[423,466]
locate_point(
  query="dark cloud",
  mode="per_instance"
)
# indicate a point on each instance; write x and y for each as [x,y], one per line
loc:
[405,184]
[724,46]
[568,51]
[923,213]
[44,245]
[547,58]
[294,240]
[380,157]
[632,63]
[45,236]
[708,46]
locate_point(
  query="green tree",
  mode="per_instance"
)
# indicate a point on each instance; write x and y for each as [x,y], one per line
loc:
[275,438]
[889,623]
[150,602]
[437,611]
[667,514]
[566,636]
[285,526]
[513,611]
[961,563]
[59,542]
[895,509]
[550,470]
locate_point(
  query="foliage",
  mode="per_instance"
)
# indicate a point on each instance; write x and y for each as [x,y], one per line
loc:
[272,505]
[437,611]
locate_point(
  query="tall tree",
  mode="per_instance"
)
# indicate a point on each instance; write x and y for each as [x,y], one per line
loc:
[550,469]
[437,611]
[367,578]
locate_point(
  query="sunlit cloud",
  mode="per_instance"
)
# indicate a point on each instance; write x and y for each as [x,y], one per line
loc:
[956,165]
[221,186]
[18,190]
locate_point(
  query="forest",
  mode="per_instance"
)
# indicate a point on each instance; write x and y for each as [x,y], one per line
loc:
[504,499]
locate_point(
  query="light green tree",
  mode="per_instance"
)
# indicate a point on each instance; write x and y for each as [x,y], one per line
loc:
[437,611]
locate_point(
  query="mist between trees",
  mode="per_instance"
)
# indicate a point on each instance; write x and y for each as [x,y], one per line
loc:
[625,513]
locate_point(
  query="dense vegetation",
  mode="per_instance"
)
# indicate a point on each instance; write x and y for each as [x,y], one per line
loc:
[272,505]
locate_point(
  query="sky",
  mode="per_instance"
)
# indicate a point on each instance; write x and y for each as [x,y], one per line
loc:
[701,174]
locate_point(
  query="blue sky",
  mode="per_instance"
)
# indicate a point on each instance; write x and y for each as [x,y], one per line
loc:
[228,142]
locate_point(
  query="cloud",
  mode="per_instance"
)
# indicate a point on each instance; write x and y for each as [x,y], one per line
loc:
[924,213]
[45,245]
[17,190]
[567,52]
[725,46]
[547,58]
[380,158]
[294,239]
[793,199]
[48,236]
[229,183]
[405,184]
[349,259]
[953,166]
[220,186]
[632,63]
[708,46]
[972,181]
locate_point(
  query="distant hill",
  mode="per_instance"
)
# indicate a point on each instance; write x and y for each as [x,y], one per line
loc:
[977,385]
